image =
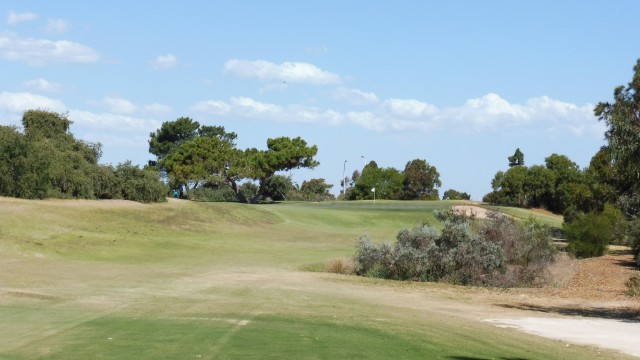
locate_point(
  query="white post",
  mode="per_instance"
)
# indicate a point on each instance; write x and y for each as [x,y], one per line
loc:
[374,196]
[344,181]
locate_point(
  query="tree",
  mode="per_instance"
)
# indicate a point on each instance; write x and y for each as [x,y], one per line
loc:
[452,194]
[48,161]
[171,134]
[517,159]
[193,156]
[603,179]
[23,168]
[567,176]
[421,181]
[509,187]
[622,118]
[277,187]
[71,163]
[388,182]
[282,154]
[539,186]
[202,160]
[316,189]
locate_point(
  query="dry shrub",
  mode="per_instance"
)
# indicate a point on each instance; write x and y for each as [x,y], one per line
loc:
[633,285]
[497,252]
[340,266]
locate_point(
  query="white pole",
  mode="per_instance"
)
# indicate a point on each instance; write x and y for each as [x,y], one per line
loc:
[344,181]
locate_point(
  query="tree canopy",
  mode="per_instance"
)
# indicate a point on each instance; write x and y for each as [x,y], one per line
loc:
[418,181]
[421,181]
[622,118]
[193,156]
[517,159]
[559,186]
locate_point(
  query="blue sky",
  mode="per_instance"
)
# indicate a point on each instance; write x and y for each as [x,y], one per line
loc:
[460,84]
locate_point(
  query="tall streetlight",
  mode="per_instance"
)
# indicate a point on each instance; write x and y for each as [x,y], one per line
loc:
[344,180]
[364,162]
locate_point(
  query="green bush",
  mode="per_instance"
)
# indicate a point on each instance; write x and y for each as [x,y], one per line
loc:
[588,235]
[213,194]
[249,190]
[140,185]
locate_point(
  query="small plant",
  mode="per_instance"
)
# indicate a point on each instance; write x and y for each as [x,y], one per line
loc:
[633,285]
[340,266]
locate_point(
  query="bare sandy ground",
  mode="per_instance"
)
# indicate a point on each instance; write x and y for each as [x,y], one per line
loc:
[613,334]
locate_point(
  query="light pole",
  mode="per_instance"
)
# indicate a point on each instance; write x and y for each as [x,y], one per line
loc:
[364,162]
[344,181]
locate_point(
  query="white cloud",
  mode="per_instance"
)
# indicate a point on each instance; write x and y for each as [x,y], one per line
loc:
[355,96]
[486,114]
[249,108]
[156,108]
[42,85]
[214,107]
[42,51]
[113,122]
[14,18]
[410,108]
[252,108]
[19,102]
[57,26]
[167,61]
[119,106]
[13,105]
[294,72]
[124,106]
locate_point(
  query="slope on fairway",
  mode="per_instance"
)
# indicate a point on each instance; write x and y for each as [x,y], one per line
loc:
[111,279]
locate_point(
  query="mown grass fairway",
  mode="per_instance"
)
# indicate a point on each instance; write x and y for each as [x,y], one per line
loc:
[183,280]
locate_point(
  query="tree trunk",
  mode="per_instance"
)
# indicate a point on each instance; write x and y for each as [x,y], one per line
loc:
[241,198]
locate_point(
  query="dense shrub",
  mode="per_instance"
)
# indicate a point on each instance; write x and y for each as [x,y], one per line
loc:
[139,184]
[497,252]
[213,194]
[588,235]
[45,160]
[249,190]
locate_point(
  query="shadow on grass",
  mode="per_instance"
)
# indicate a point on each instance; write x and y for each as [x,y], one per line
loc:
[625,314]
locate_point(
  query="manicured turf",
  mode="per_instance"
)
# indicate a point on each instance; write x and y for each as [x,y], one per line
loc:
[183,280]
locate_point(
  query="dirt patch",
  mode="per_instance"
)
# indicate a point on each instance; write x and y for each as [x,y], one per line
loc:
[476,211]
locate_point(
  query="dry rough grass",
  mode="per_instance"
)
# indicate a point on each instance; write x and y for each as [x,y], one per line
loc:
[340,266]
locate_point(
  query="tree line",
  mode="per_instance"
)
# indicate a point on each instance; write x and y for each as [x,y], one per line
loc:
[601,202]
[45,160]
[418,181]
